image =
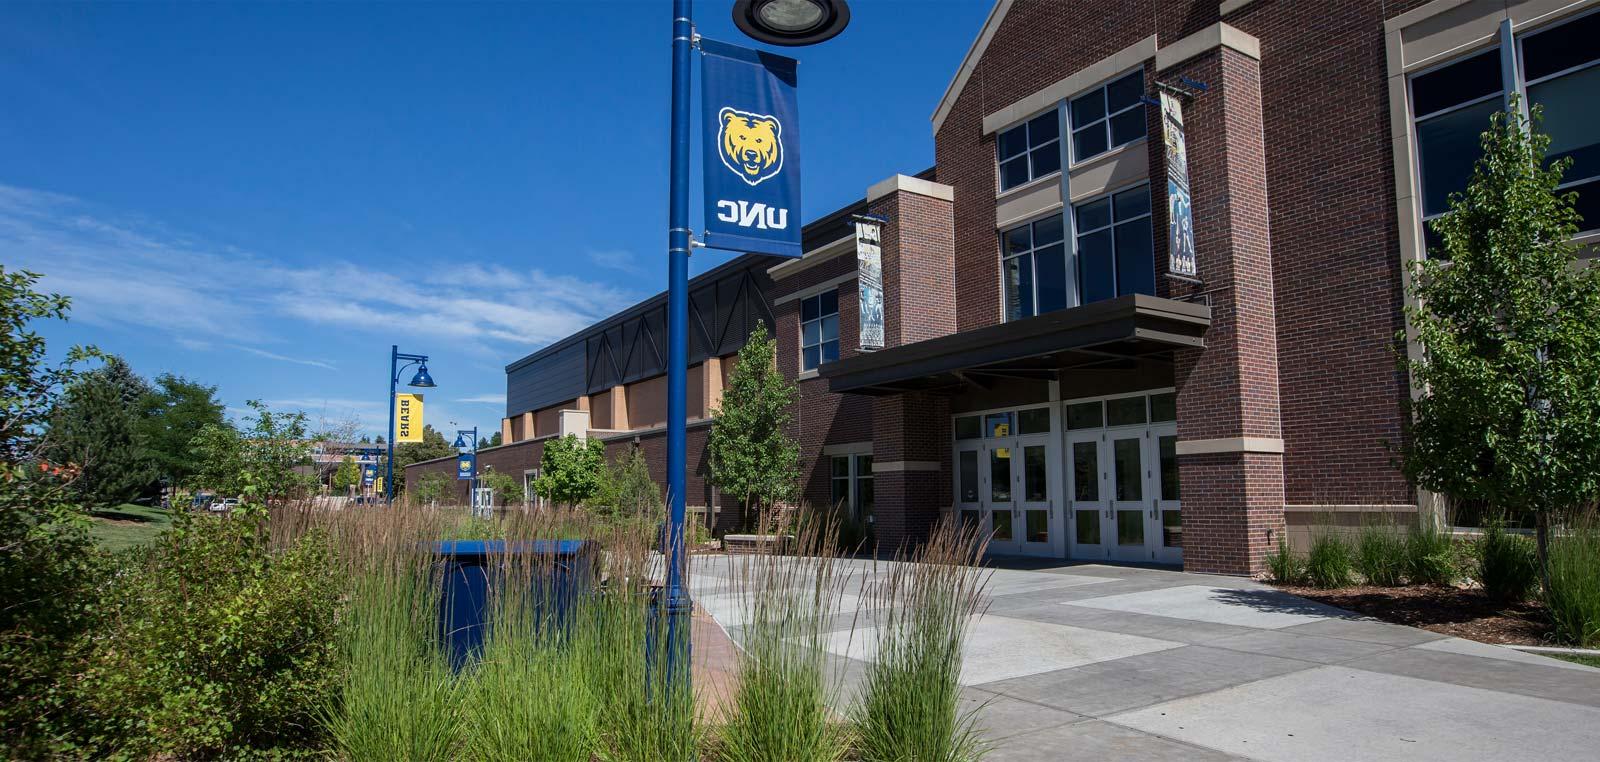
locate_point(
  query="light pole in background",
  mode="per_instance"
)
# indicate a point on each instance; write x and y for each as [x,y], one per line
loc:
[422,381]
[777,22]
[467,441]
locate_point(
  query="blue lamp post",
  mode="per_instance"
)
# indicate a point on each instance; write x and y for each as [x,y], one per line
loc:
[421,380]
[777,22]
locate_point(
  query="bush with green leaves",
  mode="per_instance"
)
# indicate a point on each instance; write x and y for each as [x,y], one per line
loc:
[1573,595]
[1331,561]
[751,454]
[1508,564]
[570,469]
[1381,554]
[1431,557]
[431,488]
[215,643]
[627,492]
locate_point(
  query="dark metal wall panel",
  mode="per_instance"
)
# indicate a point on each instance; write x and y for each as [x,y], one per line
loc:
[550,380]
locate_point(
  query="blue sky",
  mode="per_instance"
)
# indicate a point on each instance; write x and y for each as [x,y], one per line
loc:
[264,197]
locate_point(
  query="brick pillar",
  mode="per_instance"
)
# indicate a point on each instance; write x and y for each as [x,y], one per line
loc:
[505,431]
[711,383]
[919,258]
[528,431]
[1230,443]
[911,466]
[911,432]
[619,407]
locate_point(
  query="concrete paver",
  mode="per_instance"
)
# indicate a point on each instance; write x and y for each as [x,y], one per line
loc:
[1074,661]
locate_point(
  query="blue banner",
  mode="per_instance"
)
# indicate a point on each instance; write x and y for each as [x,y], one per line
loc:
[466,466]
[369,474]
[752,150]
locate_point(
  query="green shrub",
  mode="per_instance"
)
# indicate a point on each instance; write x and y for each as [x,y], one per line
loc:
[1284,566]
[216,643]
[1508,564]
[910,700]
[1381,555]
[1431,555]
[1331,561]
[1574,594]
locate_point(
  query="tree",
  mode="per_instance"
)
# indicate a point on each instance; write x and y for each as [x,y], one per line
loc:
[750,452]
[569,470]
[432,487]
[508,487]
[1510,332]
[46,559]
[97,425]
[348,475]
[496,440]
[627,491]
[263,460]
[432,447]
[172,414]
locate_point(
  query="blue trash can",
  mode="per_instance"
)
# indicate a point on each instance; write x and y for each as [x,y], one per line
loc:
[471,573]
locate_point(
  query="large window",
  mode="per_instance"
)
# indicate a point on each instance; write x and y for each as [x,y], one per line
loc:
[1034,268]
[1029,150]
[1116,255]
[852,485]
[819,329]
[1451,106]
[1108,116]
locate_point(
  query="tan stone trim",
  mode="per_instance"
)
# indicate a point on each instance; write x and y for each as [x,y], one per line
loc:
[694,424]
[1214,36]
[848,448]
[909,184]
[810,291]
[1229,6]
[1123,60]
[895,466]
[814,257]
[969,63]
[1230,444]
[1381,508]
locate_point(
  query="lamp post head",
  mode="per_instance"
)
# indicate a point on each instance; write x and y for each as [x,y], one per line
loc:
[791,23]
[461,442]
[422,379]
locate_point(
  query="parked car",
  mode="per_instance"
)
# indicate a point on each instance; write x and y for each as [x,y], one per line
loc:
[223,505]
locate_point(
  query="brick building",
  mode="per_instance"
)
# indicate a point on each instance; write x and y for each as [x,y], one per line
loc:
[1041,375]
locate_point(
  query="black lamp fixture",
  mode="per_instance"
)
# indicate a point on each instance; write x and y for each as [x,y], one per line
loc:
[791,23]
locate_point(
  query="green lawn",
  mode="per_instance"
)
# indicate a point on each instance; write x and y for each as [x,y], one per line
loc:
[128,525]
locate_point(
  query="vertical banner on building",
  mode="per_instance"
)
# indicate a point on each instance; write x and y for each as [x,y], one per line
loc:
[869,279]
[407,417]
[752,150]
[466,466]
[369,474]
[1180,218]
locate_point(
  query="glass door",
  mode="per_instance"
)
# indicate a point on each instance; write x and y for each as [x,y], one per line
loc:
[969,505]
[1166,516]
[1087,507]
[1037,530]
[1001,476]
[1126,525]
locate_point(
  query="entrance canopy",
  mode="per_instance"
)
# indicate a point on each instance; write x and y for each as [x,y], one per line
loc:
[1111,332]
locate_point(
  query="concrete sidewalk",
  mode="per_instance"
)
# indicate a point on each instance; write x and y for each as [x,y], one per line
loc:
[1104,662]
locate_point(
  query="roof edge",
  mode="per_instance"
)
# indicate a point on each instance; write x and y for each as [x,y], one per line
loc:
[969,63]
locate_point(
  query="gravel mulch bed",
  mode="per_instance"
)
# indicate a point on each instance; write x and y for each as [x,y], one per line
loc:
[1459,612]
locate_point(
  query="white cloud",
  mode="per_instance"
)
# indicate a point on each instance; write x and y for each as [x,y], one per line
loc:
[614,259]
[127,271]
[485,399]
[285,358]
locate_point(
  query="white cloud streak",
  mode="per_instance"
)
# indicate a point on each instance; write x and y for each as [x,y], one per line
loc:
[122,271]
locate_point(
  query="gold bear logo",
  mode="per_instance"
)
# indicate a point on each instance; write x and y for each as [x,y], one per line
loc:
[752,144]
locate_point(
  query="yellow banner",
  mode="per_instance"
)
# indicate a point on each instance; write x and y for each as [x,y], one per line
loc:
[407,418]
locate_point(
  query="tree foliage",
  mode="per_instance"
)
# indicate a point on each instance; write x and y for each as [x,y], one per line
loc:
[96,425]
[1510,332]
[570,469]
[431,488]
[348,475]
[432,447]
[47,569]
[627,491]
[171,415]
[265,459]
[495,441]
[507,487]
[751,453]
